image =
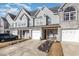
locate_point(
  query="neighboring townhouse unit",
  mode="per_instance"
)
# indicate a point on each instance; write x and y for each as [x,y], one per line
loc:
[46,24]
[19,24]
[22,23]
[3,25]
[69,21]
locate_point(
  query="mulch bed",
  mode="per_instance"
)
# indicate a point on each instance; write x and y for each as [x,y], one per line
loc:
[56,49]
[45,46]
[53,48]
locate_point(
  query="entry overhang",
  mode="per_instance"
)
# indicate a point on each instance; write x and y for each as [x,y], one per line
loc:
[53,26]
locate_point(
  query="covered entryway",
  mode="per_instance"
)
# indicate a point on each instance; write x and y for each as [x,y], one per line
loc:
[36,34]
[50,32]
[70,35]
[23,34]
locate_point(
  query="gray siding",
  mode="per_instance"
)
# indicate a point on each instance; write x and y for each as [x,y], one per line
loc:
[69,24]
[46,16]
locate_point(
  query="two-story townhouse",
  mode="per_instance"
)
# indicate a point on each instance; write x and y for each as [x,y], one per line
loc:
[69,21]
[46,24]
[22,21]
[10,18]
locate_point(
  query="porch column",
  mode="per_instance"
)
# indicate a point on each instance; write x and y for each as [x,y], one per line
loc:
[19,33]
[59,34]
[30,33]
[41,34]
[22,34]
[46,33]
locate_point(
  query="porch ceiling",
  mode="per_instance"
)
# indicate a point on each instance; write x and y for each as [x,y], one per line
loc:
[51,26]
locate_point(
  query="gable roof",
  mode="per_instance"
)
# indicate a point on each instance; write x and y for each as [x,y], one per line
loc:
[62,6]
[4,19]
[26,10]
[32,13]
[6,24]
[54,10]
[37,12]
[12,16]
[20,12]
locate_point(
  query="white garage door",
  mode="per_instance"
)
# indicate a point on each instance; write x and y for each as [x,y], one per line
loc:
[36,34]
[70,35]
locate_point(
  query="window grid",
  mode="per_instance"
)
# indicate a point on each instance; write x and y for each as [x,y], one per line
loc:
[70,15]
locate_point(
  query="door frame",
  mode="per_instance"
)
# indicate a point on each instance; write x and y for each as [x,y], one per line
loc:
[45,32]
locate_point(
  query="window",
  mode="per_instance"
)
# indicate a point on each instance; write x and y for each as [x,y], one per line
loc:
[48,20]
[38,20]
[69,14]
[12,25]
[73,15]
[23,17]
[30,22]
[16,24]
[66,16]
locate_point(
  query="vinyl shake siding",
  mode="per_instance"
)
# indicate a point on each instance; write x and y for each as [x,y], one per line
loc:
[46,16]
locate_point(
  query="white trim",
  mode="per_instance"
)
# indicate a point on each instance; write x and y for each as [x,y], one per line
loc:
[70,16]
[61,6]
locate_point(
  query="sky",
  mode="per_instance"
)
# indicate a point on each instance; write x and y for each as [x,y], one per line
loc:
[14,8]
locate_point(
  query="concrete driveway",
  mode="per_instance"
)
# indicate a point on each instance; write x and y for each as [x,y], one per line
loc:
[70,48]
[26,48]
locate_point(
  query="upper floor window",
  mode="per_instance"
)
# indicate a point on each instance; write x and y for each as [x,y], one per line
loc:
[70,14]
[15,24]
[30,22]
[23,17]
[48,20]
[39,20]
[12,25]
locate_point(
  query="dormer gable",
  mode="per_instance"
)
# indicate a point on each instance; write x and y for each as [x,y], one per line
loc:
[45,16]
[4,23]
[10,18]
[23,12]
[23,18]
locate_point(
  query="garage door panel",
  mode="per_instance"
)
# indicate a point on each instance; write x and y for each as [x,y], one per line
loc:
[36,34]
[70,35]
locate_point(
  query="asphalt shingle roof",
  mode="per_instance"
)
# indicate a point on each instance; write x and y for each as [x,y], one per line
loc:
[12,15]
